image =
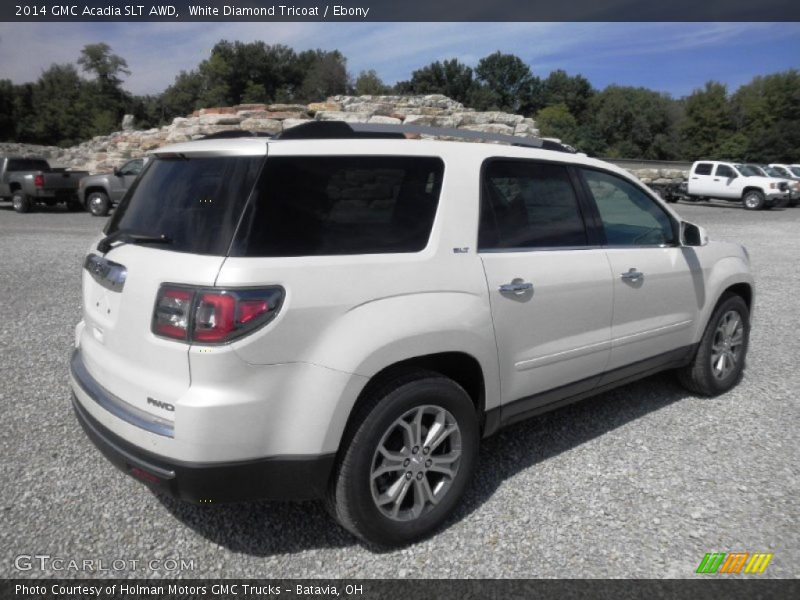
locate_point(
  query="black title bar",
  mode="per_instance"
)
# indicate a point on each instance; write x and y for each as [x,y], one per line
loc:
[401,10]
[708,588]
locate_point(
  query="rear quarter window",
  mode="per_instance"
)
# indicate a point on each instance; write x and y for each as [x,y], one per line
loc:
[703,169]
[330,205]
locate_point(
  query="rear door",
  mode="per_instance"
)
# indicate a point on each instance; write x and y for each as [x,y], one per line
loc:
[196,203]
[549,282]
[700,179]
[658,285]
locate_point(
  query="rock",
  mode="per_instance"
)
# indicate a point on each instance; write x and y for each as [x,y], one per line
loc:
[498,128]
[422,120]
[287,108]
[433,110]
[249,107]
[272,126]
[384,120]
[373,108]
[347,117]
[219,110]
[324,106]
[286,114]
[220,119]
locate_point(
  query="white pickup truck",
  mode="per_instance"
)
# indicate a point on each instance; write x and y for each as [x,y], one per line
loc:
[730,181]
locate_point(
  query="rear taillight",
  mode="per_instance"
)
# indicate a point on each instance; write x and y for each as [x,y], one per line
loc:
[213,315]
[38,181]
[171,317]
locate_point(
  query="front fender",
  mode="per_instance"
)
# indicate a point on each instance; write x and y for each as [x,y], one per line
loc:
[724,273]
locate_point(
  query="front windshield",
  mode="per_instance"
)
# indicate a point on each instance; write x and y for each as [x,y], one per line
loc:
[773,172]
[795,171]
[747,170]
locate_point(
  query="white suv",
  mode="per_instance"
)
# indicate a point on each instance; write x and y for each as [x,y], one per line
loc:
[344,313]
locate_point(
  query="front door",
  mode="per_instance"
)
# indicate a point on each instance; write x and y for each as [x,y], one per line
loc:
[658,285]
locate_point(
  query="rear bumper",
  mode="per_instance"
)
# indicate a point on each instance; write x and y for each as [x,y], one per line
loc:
[276,478]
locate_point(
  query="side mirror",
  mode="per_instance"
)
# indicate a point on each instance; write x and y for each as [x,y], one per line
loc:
[693,235]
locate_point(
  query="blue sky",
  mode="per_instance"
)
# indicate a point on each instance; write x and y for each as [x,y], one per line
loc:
[669,57]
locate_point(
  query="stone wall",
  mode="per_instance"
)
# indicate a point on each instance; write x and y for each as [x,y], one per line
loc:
[104,153]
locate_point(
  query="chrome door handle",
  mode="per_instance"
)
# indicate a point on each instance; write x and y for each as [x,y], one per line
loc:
[516,287]
[632,275]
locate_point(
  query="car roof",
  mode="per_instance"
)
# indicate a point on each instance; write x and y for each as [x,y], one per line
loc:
[251,146]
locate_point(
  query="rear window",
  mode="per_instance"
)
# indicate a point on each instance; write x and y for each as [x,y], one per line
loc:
[328,205]
[195,202]
[27,164]
[703,169]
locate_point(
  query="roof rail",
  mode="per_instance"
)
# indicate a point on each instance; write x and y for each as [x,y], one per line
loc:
[344,130]
[235,133]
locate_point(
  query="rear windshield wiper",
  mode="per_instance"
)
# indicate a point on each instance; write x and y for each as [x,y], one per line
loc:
[126,237]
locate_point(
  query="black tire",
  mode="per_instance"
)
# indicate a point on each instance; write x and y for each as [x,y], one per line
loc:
[98,204]
[753,200]
[21,202]
[350,499]
[699,375]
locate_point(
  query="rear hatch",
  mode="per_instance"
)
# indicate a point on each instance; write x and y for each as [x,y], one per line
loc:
[174,227]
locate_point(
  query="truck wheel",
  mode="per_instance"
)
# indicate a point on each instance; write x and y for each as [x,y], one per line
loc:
[98,204]
[21,202]
[407,461]
[753,200]
[720,357]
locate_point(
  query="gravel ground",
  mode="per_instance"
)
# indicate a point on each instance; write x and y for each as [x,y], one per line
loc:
[638,482]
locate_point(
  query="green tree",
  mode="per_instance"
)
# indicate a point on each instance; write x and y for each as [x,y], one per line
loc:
[326,76]
[183,96]
[574,92]
[632,122]
[369,84]
[511,85]
[58,108]
[557,121]
[104,64]
[450,77]
[765,113]
[7,111]
[708,122]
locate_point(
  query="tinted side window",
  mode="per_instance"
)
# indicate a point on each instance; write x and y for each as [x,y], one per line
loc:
[27,164]
[528,205]
[630,217]
[703,169]
[326,205]
[133,167]
[725,171]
